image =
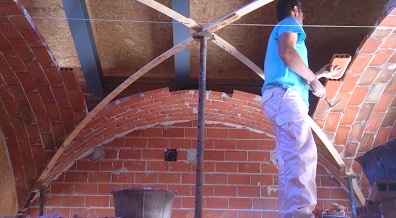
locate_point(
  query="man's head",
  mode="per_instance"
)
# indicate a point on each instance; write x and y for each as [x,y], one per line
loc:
[287,8]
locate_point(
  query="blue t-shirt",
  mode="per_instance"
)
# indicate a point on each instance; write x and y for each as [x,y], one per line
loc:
[275,71]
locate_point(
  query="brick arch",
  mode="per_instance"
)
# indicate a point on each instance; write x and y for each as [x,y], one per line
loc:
[161,107]
[365,117]
[39,102]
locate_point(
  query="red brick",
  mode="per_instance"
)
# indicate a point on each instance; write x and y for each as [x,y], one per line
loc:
[359,64]
[381,57]
[237,155]
[73,201]
[53,200]
[4,44]
[18,94]
[98,201]
[249,167]
[138,165]
[35,70]
[152,132]
[214,155]
[217,133]
[26,81]
[158,143]
[76,176]
[359,93]
[67,116]
[85,188]
[332,121]
[107,188]
[169,178]
[374,122]
[369,76]
[389,119]
[14,61]
[384,102]
[215,203]
[123,177]
[224,190]
[241,203]
[60,95]
[349,115]
[238,179]
[370,45]
[382,136]
[70,81]
[153,154]
[356,132]
[43,55]
[52,74]
[77,101]
[20,22]
[364,112]
[226,167]
[342,134]
[239,133]
[23,50]
[9,31]
[146,178]
[215,178]
[248,191]
[221,144]
[390,42]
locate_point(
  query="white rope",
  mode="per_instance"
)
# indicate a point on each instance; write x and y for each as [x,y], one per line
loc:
[173,22]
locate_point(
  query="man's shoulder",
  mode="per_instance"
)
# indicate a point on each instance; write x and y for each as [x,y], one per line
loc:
[289,21]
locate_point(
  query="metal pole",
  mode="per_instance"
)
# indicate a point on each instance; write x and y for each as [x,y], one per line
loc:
[41,208]
[203,37]
[351,194]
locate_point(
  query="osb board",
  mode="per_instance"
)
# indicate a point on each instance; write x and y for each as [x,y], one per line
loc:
[50,19]
[130,35]
[220,64]
[8,195]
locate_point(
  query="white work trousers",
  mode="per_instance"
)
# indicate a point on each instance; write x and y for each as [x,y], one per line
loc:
[296,152]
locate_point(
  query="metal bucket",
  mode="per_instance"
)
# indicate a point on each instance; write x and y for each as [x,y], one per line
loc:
[143,203]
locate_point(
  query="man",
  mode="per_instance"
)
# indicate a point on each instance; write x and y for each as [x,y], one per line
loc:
[285,102]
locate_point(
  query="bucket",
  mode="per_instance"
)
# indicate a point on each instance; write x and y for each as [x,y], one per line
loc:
[143,203]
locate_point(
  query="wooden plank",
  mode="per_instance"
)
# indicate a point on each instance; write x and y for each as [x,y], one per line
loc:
[234,52]
[217,39]
[236,15]
[322,136]
[172,14]
[105,101]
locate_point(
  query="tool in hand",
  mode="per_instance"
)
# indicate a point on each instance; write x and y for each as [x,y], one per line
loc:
[342,60]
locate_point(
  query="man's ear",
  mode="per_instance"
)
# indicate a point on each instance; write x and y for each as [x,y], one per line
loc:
[295,11]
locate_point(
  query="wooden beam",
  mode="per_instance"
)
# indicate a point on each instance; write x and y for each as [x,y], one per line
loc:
[217,39]
[234,52]
[105,101]
[172,14]
[236,15]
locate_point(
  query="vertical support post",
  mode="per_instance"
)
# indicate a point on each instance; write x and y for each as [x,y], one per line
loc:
[41,207]
[351,194]
[203,37]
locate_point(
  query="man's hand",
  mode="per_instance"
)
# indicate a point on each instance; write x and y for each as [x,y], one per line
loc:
[318,89]
[328,71]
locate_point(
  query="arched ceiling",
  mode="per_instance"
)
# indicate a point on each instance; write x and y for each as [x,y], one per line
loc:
[43,106]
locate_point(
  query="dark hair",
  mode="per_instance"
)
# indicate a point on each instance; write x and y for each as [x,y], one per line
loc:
[283,8]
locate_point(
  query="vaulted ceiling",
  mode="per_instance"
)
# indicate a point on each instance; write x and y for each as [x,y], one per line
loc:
[49,48]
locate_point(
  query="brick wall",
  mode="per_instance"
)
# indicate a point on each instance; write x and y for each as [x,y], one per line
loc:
[240,175]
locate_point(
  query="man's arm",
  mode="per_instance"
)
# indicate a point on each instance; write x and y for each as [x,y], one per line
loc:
[292,59]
